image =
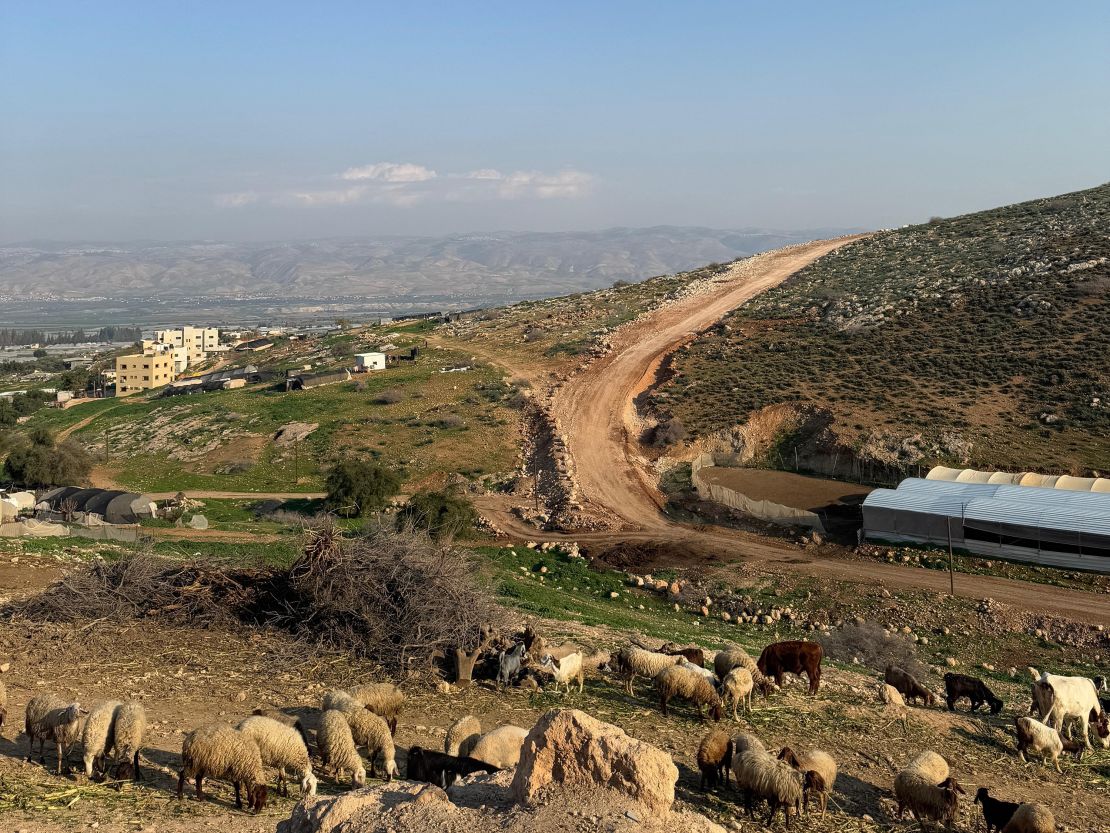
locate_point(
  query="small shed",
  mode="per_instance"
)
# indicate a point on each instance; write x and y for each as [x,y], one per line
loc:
[369,361]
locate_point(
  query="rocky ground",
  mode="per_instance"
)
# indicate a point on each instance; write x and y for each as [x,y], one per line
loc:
[186,676]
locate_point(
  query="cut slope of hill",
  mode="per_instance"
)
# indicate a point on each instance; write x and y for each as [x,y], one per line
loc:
[982,340]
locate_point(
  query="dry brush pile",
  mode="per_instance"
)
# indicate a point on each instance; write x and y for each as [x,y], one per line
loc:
[395,597]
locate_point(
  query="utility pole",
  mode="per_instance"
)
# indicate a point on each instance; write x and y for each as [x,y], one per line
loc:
[951,566]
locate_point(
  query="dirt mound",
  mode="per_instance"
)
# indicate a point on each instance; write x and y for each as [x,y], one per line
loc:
[644,556]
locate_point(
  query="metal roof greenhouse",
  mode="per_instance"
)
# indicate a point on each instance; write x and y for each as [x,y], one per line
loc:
[1052,526]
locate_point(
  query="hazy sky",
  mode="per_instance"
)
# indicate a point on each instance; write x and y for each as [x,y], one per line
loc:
[271,120]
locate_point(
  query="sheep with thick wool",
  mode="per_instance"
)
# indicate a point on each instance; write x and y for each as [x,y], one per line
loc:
[725,661]
[715,758]
[818,770]
[51,718]
[290,720]
[95,735]
[371,732]
[1031,818]
[698,669]
[744,742]
[384,699]
[927,790]
[736,688]
[501,747]
[282,748]
[128,729]
[337,747]
[462,735]
[366,728]
[633,661]
[761,776]
[219,751]
[676,681]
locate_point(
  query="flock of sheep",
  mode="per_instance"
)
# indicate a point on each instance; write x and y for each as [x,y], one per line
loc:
[358,725]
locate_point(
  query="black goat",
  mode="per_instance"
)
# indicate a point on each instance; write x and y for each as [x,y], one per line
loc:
[440,768]
[996,814]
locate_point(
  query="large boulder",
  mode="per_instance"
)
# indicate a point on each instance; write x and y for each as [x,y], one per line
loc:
[569,750]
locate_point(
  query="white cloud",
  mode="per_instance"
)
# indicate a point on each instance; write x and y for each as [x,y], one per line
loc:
[484,173]
[333,197]
[236,200]
[390,172]
[406,184]
[565,184]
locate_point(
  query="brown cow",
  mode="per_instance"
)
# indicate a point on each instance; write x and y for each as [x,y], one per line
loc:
[793,657]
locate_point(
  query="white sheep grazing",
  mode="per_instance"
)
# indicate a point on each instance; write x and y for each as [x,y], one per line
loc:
[371,732]
[725,661]
[94,737]
[697,669]
[1031,818]
[566,669]
[339,700]
[462,735]
[737,687]
[760,776]
[52,718]
[282,748]
[1036,738]
[926,790]
[126,739]
[818,770]
[384,699]
[501,747]
[337,747]
[219,751]
[633,661]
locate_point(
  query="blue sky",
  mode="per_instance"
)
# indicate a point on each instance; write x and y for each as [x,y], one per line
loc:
[239,120]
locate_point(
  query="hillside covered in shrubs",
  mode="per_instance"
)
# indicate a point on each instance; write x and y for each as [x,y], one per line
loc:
[980,340]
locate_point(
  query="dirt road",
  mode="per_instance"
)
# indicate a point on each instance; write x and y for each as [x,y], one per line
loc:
[596,410]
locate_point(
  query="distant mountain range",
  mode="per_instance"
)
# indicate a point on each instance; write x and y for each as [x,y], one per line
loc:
[487,267]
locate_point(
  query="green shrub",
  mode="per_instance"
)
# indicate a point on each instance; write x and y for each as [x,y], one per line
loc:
[440,514]
[360,487]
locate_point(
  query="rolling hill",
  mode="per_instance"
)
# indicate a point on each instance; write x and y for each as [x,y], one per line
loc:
[479,269]
[977,340]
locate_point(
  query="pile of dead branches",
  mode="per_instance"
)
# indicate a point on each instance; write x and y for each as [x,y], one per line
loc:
[396,597]
[143,585]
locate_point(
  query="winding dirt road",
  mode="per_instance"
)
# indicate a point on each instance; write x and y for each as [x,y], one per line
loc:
[597,413]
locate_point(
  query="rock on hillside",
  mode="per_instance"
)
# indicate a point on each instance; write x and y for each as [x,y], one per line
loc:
[573,770]
[568,749]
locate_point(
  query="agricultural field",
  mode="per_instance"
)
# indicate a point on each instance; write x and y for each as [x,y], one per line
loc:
[979,340]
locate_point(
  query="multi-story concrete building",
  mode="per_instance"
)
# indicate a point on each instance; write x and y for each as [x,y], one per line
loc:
[144,371]
[197,341]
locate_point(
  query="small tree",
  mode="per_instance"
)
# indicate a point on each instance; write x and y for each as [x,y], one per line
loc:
[440,514]
[39,462]
[360,487]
